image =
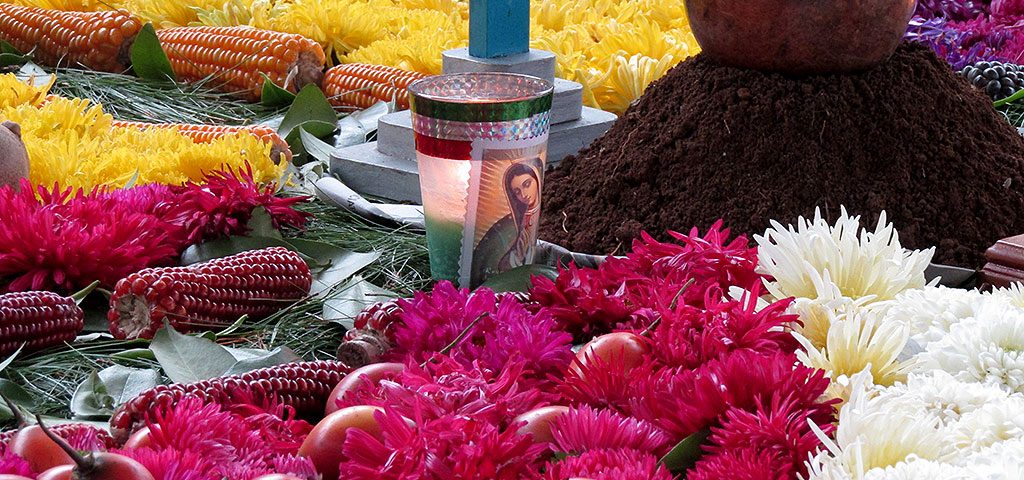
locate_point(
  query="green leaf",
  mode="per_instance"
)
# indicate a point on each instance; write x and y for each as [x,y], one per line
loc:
[100,394]
[250,359]
[1012,98]
[273,95]
[224,247]
[11,56]
[331,265]
[518,279]
[131,181]
[134,354]
[315,147]
[355,128]
[352,299]
[17,395]
[80,295]
[149,60]
[310,107]
[686,453]
[261,224]
[188,358]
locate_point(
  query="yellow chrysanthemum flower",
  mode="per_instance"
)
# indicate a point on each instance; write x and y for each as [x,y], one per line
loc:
[14,92]
[167,14]
[628,78]
[71,142]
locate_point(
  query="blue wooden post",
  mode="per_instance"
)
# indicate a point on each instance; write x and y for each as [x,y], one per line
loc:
[498,28]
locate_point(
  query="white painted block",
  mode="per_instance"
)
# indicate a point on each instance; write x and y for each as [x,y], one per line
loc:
[537,63]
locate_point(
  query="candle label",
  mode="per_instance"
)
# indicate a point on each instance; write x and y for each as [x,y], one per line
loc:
[503,209]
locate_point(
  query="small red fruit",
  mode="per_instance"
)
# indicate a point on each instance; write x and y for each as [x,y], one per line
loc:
[7,476]
[372,373]
[627,348]
[41,453]
[275,476]
[324,442]
[140,439]
[94,465]
[538,422]
[63,472]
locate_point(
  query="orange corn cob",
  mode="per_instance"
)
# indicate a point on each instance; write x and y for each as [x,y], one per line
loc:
[361,85]
[236,56]
[208,133]
[96,40]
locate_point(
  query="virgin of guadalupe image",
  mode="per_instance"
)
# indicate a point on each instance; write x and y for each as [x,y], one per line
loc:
[509,242]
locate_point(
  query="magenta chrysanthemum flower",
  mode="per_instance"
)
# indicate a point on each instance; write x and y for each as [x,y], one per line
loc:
[620,464]
[689,336]
[223,203]
[683,402]
[446,387]
[446,448]
[621,292]
[583,429]
[242,443]
[65,240]
[501,330]
[739,464]
[12,464]
[779,427]
[603,384]
[171,464]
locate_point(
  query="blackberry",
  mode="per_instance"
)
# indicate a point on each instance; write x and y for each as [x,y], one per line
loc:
[997,79]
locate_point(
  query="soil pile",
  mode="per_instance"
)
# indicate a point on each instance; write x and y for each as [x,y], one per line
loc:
[708,142]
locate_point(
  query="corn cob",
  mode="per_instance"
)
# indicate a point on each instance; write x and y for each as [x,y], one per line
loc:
[37,320]
[236,56]
[303,386]
[96,40]
[212,294]
[207,133]
[360,85]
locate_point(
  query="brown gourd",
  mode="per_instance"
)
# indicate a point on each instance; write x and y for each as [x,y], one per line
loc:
[13,156]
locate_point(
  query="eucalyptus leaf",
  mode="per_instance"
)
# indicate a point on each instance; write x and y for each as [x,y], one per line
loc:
[149,61]
[333,265]
[101,393]
[357,127]
[134,354]
[518,279]
[261,224]
[315,147]
[352,299]
[686,453]
[224,247]
[310,105]
[273,95]
[248,360]
[16,394]
[188,358]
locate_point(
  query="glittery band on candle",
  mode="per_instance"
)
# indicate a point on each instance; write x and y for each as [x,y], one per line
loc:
[519,129]
[481,97]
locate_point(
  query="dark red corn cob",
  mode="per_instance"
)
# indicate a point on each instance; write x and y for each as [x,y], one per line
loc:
[37,320]
[80,435]
[212,294]
[378,316]
[303,386]
[368,341]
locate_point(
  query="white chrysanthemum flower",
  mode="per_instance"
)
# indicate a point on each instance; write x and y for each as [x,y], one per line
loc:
[986,349]
[918,469]
[942,395]
[860,340]
[932,311]
[989,425]
[1013,294]
[872,263]
[872,434]
[1003,460]
[817,313]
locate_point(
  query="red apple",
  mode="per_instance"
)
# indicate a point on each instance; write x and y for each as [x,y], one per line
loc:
[372,373]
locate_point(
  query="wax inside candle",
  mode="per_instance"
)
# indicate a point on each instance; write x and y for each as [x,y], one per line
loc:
[444,186]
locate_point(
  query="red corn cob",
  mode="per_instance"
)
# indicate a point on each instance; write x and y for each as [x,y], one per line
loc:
[212,294]
[74,433]
[208,133]
[37,320]
[304,386]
